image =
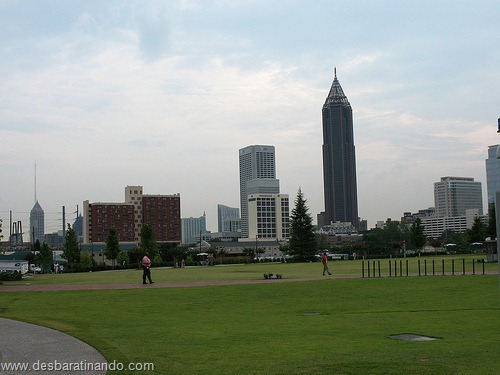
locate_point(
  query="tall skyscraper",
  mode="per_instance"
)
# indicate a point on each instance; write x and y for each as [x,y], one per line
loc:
[453,196]
[37,224]
[339,159]
[492,172]
[257,176]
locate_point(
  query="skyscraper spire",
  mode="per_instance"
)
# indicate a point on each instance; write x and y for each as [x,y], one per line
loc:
[336,94]
[36,200]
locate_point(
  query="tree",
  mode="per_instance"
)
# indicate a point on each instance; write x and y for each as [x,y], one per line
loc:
[45,257]
[477,233]
[385,241]
[123,259]
[148,243]
[70,248]
[86,263]
[417,236]
[36,246]
[112,249]
[302,243]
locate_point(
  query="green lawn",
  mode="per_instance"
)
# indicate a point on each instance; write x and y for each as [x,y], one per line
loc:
[256,271]
[331,326]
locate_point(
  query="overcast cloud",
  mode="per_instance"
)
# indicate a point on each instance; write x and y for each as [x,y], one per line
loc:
[163,94]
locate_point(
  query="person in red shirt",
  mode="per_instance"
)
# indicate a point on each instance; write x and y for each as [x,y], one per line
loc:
[324,260]
[146,269]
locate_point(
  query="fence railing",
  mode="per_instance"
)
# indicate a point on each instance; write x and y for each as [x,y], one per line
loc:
[419,267]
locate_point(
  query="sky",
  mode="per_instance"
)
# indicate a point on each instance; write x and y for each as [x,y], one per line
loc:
[104,94]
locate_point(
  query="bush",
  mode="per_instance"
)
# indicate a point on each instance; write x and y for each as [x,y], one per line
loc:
[10,276]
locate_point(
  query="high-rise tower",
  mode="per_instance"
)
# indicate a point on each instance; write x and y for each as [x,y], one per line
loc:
[257,176]
[37,224]
[339,159]
[453,196]
[493,172]
[37,221]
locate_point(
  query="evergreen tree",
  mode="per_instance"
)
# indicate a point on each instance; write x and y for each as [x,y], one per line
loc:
[45,257]
[112,249]
[477,233]
[71,252]
[302,243]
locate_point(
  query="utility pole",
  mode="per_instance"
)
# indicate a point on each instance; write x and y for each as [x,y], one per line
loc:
[64,222]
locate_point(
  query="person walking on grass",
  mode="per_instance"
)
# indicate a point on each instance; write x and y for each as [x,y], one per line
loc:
[324,260]
[146,269]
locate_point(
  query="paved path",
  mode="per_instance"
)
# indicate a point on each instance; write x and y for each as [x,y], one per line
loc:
[36,347]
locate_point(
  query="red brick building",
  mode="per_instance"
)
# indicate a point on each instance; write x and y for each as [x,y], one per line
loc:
[162,212]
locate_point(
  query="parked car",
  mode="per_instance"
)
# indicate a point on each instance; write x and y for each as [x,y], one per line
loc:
[35,269]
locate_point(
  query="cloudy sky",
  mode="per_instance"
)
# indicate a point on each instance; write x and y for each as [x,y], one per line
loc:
[163,94]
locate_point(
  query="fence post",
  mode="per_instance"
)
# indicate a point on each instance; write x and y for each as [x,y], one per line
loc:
[400,267]
[473,266]
[419,267]
[442,261]
[406,267]
[368,268]
[433,268]
[363,268]
[425,267]
[463,266]
[378,263]
[453,267]
[483,266]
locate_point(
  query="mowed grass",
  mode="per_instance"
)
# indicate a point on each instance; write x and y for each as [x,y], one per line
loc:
[256,271]
[331,326]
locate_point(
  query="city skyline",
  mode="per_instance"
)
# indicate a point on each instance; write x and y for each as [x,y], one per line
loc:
[108,94]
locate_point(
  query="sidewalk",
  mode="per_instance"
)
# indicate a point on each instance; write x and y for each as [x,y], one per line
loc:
[39,348]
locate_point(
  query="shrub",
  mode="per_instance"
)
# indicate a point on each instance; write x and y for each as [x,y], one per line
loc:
[10,276]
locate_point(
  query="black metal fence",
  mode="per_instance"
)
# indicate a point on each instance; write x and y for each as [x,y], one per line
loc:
[419,267]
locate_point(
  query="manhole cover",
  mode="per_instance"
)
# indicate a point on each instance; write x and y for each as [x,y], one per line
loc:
[412,337]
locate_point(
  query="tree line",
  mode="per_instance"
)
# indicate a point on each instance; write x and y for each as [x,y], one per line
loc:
[395,239]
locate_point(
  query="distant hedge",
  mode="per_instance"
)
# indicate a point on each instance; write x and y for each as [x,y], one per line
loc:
[10,276]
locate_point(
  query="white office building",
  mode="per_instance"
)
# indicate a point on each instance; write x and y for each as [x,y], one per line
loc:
[453,196]
[268,216]
[257,176]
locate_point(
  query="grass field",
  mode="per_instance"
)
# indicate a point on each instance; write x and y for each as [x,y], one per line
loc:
[256,271]
[330,326]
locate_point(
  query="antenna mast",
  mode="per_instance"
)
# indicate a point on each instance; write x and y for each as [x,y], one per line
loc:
[35,183]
